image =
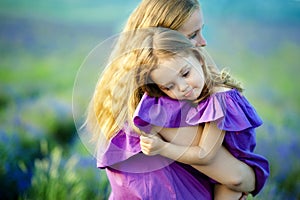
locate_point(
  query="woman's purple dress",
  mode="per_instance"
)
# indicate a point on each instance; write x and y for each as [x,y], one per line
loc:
[133,175]
[230,109]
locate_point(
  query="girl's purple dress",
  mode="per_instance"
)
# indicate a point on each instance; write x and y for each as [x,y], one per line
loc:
[230,109]
[133,175]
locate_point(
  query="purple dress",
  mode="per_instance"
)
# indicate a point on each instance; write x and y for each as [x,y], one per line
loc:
[133,175]
[230,109]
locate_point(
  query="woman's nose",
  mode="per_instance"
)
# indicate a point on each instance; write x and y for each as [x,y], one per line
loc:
[201,42]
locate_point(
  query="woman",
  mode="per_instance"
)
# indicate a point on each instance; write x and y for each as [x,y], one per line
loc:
[133,175]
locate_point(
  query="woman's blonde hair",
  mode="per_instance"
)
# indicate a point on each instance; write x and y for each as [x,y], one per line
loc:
[161,13]
[109,107]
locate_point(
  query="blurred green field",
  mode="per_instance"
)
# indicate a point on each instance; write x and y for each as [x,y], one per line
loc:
[43,44]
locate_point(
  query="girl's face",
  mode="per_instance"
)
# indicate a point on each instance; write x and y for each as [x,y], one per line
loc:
[192,29]
[180,78]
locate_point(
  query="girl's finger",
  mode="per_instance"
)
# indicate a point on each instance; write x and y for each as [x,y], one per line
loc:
[145,151]
[144,145]
[144,138]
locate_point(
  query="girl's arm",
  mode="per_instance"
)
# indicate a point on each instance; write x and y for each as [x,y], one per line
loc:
[182,149]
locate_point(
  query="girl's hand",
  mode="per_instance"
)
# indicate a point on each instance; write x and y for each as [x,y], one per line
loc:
[151,145]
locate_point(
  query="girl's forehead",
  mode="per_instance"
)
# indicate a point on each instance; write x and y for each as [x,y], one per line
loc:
[172,63]
[177,61]
[170,66]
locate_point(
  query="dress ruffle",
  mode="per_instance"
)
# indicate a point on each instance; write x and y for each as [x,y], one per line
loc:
[125,144]
[232,111]
[162,111]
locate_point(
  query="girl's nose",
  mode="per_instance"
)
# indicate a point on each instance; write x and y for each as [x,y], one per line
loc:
[183,86]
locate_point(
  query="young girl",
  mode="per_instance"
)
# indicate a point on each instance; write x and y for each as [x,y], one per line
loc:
[133,175]
[170,68]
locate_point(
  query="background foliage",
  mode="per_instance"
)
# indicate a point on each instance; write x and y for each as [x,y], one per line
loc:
[43,43]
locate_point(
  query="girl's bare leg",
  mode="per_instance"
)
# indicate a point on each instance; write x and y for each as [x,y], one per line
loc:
[222,192]
[229,171]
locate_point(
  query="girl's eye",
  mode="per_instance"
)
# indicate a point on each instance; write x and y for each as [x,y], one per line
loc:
[186,73]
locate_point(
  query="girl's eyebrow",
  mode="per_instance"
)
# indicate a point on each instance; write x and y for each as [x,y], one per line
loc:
[181,71]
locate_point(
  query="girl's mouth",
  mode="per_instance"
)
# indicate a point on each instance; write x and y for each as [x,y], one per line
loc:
[189,93]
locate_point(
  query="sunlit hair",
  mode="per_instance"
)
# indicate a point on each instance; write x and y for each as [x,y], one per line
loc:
[170,14]
[163,13]
[108,108]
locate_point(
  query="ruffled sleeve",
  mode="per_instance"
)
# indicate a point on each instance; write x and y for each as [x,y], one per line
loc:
[162,111]
[123,145]
[230,109]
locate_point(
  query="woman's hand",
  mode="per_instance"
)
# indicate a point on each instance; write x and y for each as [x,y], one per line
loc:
[151,145]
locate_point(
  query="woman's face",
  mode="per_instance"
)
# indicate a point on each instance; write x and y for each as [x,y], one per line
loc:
[192,28]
